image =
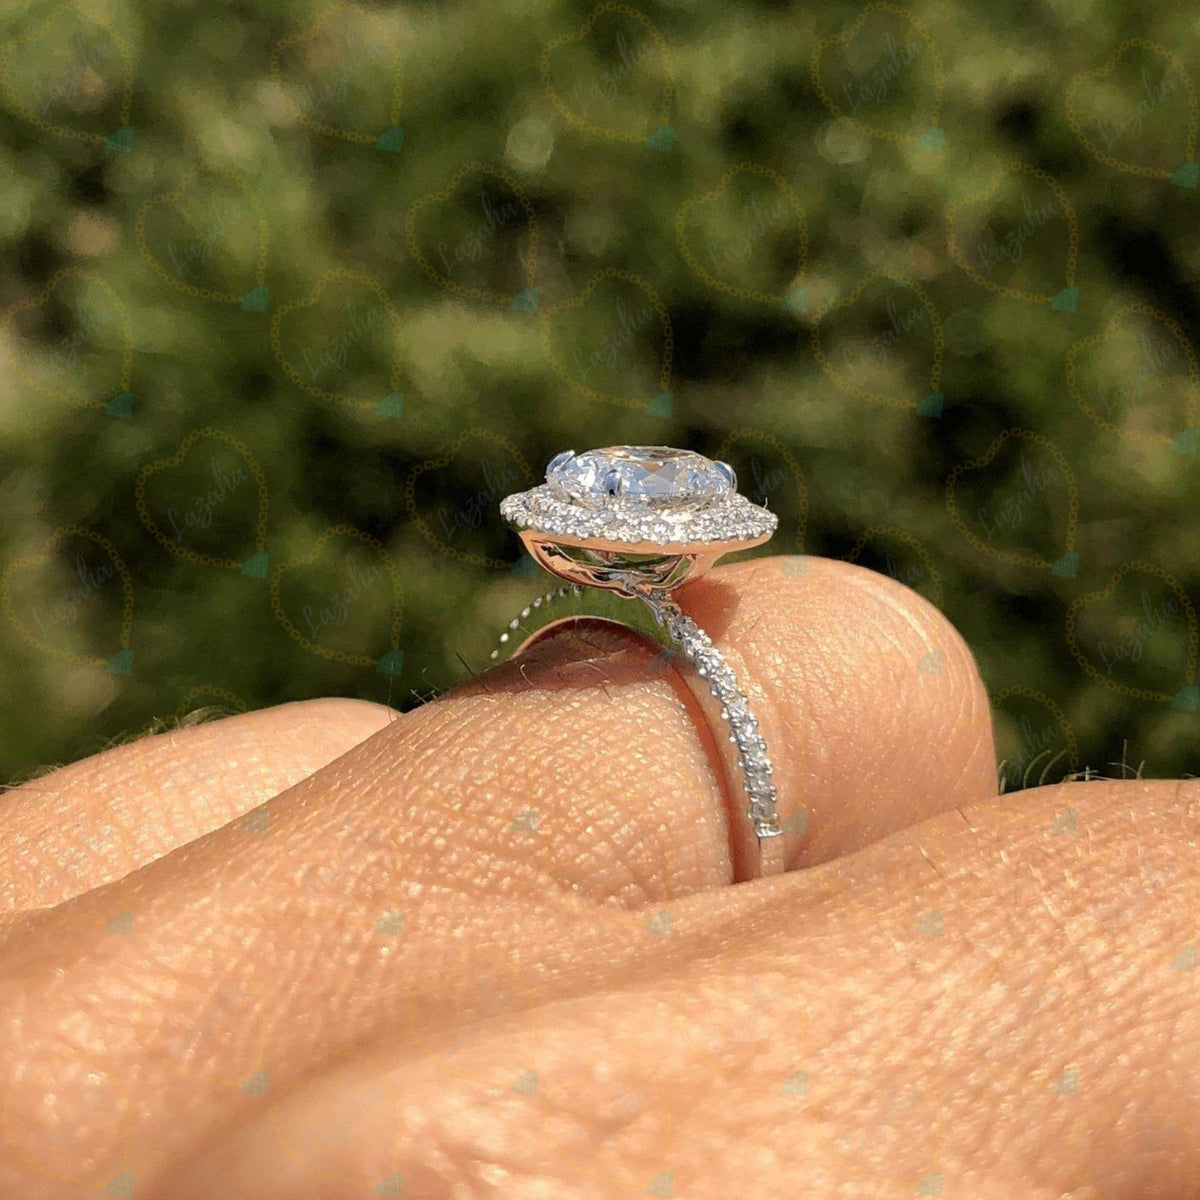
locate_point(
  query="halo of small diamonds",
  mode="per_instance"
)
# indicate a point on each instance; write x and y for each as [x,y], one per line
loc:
[731,519]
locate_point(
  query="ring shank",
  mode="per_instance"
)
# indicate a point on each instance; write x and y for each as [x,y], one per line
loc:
[771,856]
[757,838]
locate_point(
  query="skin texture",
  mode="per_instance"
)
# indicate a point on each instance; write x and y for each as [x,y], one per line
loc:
[493,947]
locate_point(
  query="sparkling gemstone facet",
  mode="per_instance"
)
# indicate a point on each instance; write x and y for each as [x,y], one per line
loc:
[641,472]
[652,494]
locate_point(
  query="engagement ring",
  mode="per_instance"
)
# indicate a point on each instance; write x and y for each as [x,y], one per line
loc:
[637,522]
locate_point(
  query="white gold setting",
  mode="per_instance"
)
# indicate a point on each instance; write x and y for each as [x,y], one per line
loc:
[641,521]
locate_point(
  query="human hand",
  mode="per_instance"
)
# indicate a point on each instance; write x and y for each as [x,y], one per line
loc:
[490,947]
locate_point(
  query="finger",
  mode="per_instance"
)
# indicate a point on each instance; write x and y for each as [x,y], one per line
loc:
[872,703]
[96,820]
[814,1035]
[320,911]
[865,738]
[619,767]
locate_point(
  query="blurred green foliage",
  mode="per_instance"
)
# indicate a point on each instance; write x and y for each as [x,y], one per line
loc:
[293,295]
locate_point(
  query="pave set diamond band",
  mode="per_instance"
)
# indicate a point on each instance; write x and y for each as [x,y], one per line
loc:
[637,522]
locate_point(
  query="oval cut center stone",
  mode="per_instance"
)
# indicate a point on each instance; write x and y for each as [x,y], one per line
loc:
[642,472]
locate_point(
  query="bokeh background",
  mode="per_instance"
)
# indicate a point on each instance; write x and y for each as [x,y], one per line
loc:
[292,294]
